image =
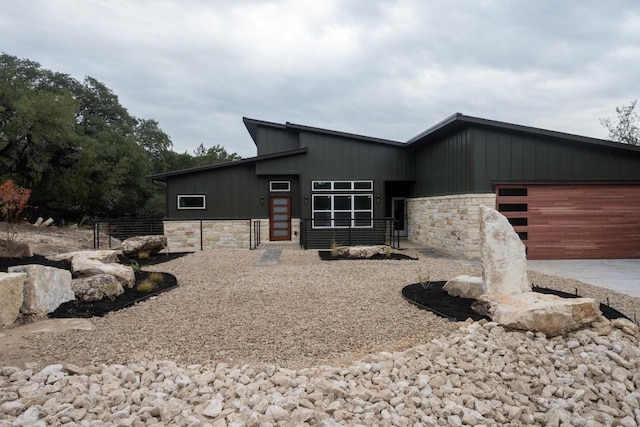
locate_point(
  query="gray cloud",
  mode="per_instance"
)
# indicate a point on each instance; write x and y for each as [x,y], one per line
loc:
[388,69]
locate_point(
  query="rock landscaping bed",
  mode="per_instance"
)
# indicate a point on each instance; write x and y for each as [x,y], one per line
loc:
[327,256]
[130,297]
[303,341]
[431,296]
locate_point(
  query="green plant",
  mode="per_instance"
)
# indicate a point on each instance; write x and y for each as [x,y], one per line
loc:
[156,277]
[387,251]
[146,286]
[423,279]
[144,255]
[334,248]
[134,265]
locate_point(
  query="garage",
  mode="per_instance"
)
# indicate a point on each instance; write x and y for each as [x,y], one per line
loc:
[574,221]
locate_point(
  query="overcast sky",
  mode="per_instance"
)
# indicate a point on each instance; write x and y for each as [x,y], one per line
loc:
[388,69]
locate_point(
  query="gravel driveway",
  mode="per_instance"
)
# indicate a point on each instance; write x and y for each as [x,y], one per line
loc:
[299,311]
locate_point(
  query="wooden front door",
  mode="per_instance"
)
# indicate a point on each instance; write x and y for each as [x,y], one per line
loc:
[280,218]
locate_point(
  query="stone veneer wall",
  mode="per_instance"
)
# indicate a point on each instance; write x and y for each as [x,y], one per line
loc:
[184,236]
[448,223]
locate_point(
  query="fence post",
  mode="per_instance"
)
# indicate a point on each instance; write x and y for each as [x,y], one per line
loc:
[201,239]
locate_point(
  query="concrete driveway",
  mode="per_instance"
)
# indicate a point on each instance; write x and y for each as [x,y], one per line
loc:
[622,275]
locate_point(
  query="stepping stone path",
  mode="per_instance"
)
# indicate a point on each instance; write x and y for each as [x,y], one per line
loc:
[269,257]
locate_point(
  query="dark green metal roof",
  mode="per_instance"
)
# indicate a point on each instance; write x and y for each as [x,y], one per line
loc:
[252,126]
[458,121]
[163,176]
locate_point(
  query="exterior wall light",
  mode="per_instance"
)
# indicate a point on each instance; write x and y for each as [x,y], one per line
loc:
[262,200]
[378,198]
[306,199]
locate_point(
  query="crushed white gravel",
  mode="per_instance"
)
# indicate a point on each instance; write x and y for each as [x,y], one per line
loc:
[299,312]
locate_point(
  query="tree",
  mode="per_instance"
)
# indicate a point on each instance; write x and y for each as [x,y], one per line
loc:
[626,129]
[79,150]
[213,155]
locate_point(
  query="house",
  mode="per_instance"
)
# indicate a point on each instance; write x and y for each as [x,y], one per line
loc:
[567,196]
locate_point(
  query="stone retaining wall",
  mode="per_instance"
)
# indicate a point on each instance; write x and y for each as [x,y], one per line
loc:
[448,223]
[184,236]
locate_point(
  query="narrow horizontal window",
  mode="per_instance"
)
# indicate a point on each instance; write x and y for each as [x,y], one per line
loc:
[512,192]
[279,186]
[518,222]
[512,207]
[192,201]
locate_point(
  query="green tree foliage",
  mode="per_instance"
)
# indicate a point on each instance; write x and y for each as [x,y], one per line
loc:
[626,128]
[79,150]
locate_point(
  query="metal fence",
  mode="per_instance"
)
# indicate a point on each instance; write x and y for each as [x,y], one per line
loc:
[383,231]
[254,234]
[104,231]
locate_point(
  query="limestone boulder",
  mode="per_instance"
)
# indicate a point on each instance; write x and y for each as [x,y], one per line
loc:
[133,246]
[83,267]
[361,251]
[502,255]
[45,288]
[464,286]
[106,256]
[11,285]
[532,311]
[95,288]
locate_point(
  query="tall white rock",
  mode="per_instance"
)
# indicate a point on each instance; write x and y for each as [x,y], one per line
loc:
[45,288]
[503,257]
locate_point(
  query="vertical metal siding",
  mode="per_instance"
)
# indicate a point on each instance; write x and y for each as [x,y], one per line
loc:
[500,155]
[222,188]
[444,167]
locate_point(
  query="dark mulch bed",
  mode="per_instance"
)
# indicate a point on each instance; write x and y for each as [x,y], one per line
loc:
[432,297]
[154,259]
[100,308]
[104,306]
[5,263]
[326,256]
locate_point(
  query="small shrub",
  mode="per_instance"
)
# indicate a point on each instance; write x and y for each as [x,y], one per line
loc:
[146,286]
[13,200]
[144,255]
[334,248]
[387,251]
[156,277]
[423,279]
[134,265]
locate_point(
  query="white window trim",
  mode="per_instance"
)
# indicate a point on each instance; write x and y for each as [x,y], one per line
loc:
[351,186]
[202,196]
[271,189]
[332,211]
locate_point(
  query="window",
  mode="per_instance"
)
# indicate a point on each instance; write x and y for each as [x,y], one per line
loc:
[192,201]
[279,186]
[342,185]
[333,209]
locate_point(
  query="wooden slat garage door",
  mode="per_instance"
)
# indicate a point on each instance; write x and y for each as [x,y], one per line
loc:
[574,221]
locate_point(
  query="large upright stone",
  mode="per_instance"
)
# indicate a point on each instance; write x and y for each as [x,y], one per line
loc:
[45,288]
[11,297]
[503,258]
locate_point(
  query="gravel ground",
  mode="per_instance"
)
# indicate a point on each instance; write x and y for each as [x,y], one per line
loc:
[298,312]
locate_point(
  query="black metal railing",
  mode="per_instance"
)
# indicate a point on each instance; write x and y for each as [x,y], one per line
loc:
[379,231]
[123,228]
[254,234]
[105,230]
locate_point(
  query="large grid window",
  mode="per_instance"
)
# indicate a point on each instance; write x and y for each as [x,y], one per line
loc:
[192,201]
[333,209]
